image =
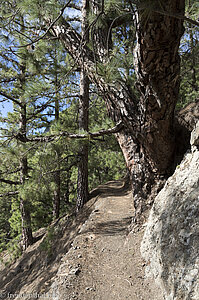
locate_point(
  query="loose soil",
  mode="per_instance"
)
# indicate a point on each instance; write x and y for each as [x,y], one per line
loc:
[93,257]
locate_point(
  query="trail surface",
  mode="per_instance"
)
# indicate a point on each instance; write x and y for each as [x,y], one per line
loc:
[104,262]
[91,257]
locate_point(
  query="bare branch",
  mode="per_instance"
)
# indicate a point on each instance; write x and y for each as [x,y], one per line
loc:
[89,135]
[73,5]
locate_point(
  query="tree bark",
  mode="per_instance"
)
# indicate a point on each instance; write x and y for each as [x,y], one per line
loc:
[148,137]
[27,238]
[57,174]
[157,65]
[56,194]
[82,180]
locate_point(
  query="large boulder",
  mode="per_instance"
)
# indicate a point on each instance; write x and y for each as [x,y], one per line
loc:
[170,244]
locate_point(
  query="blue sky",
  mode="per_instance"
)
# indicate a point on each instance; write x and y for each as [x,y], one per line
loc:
[5,108]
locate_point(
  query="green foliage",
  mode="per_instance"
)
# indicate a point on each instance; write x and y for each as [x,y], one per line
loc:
[110,70]
[15,218]
[50,79]
[14,249]
[5,208]
[106,162]
[47,243]
[192,9]
[54,232]
[39,8]
[189,52]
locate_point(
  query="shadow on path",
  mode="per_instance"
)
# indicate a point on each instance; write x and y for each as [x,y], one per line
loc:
[111,228]
[111,188]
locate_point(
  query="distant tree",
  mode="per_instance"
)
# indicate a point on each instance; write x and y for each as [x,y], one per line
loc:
[25,82]
[17,85]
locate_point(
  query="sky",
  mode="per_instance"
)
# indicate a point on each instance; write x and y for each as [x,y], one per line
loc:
[5,108]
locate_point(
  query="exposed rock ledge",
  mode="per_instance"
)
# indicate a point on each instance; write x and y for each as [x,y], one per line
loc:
[171,240]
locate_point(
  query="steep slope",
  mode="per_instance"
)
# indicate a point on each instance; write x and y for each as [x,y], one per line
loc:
[91,257]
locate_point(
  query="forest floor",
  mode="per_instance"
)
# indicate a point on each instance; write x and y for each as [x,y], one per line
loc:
[98,259]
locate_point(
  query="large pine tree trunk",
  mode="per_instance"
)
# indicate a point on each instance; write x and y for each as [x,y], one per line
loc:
[150,155]
[147,138]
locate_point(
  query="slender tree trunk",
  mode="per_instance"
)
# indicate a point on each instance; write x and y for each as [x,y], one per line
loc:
[57,174]
[82,181]
[57,190]
[27,238]
[148,137]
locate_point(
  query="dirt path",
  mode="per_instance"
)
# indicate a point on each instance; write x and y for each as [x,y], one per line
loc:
[92,257]
[104,261]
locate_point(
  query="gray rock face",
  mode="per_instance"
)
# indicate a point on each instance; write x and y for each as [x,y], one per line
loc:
[171,240]
[195,136]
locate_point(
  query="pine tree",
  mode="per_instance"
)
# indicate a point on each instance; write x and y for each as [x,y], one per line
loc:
[140,90]
[82,183]
[148,138]
[22,85]
[45,92]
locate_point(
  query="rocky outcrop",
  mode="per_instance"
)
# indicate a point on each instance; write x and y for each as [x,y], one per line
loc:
[189,115]
[185,121]
[171,241]
[195,136]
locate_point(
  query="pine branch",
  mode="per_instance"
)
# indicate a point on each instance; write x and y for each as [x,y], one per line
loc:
[72,41]
[73,5]
[9,59]
[177,16]
[10,172]
[60,170]
[9,97]
[85,57]
[89,135]
[166,13]
[9,181]
[42,108]
[9,194]
[7,80]
[49,27]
